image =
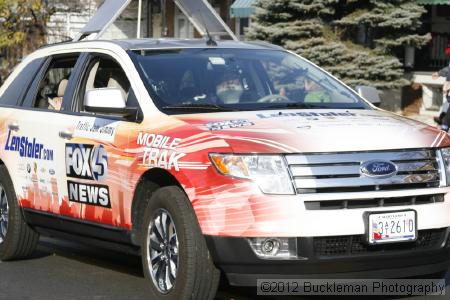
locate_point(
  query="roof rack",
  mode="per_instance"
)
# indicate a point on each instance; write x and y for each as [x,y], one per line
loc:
[199,12]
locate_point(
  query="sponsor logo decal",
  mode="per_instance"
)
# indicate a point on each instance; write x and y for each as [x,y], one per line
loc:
[378,169]
[91,163]
[51,172]
[93,194]
[228,124]
[306,114]
[21,167]
[99,129]
[28,147]
[86,161]
[160,151]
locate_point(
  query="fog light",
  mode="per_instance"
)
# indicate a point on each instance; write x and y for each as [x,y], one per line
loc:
[274,248]
[270,246]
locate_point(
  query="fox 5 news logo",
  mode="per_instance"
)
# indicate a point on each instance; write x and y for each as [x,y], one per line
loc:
[86,161]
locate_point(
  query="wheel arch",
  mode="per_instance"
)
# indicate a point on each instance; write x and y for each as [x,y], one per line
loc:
[2,163]
[158,178]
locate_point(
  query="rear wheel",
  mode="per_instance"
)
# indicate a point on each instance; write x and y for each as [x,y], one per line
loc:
[175,257]
[17,239]
[4,214]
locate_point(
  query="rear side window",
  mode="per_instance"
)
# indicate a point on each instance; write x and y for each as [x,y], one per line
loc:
[17,89]
[53,86]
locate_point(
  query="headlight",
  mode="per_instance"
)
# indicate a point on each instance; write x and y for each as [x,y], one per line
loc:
[446,158]
[269,172]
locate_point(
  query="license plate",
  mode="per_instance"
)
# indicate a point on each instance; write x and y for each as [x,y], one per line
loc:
[391,227]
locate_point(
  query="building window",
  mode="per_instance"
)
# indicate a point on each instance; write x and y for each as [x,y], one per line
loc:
[183,27]
[242,25]
[443,11]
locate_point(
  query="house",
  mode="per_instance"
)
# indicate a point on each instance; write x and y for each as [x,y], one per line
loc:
[432,57]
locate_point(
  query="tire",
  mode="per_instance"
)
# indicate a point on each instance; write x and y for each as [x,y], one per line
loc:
[17,239]
[196,277]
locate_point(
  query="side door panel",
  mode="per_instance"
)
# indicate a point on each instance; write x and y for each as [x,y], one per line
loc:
[95,168]
[34,151]
[36,144]
[96,159]
[10,102]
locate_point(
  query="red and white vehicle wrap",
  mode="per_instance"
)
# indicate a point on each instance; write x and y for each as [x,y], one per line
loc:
[182,144]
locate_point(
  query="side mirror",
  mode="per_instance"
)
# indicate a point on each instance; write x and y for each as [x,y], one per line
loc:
[108,101]
[369,93]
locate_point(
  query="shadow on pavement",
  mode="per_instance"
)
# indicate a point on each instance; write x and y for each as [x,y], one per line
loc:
[116,261]
[87,272]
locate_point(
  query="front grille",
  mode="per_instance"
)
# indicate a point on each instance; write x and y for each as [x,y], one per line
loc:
[369,203]
[340,172]
[354,245]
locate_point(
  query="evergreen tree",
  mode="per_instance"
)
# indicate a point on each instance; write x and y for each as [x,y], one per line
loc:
[328,32]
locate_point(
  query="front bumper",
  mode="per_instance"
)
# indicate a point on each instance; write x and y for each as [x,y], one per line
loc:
[351,259]
[249,214]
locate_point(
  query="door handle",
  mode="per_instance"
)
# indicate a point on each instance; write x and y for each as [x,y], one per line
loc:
[14,127]
[67,135]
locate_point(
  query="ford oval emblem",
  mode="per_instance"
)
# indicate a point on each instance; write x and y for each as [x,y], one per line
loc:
[378,168]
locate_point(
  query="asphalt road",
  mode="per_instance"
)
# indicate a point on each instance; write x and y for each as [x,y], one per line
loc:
[70,271]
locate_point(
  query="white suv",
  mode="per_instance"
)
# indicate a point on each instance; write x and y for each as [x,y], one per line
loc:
[238,157]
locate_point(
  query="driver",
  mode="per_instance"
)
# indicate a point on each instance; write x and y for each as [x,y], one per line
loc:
[229,90]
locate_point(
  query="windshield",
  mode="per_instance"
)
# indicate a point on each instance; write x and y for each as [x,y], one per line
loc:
[203,80]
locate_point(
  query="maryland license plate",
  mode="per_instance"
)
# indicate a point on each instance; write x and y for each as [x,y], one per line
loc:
[391,227]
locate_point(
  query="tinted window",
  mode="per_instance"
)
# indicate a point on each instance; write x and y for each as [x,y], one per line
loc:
[16,91]
[235,79]
[53,86]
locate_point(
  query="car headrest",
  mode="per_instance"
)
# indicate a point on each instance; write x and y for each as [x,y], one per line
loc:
[113,83]
[62,87]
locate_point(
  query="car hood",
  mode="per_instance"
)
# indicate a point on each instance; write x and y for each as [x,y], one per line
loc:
[291,131]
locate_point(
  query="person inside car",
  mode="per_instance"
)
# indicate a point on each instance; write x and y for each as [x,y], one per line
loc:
[229,89]
[315,93]
[56,102]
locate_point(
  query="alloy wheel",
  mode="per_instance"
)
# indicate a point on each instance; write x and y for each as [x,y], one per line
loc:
[4,209]
[162,255]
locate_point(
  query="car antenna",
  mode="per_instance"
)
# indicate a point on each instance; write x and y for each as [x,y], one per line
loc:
[210,41]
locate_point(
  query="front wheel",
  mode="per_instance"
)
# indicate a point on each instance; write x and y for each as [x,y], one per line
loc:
[175,257]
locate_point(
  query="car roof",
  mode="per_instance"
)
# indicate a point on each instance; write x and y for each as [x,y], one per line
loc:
[169,43]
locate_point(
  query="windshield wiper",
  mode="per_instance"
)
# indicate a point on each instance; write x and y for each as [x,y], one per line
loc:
[293,106]
[193,106]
